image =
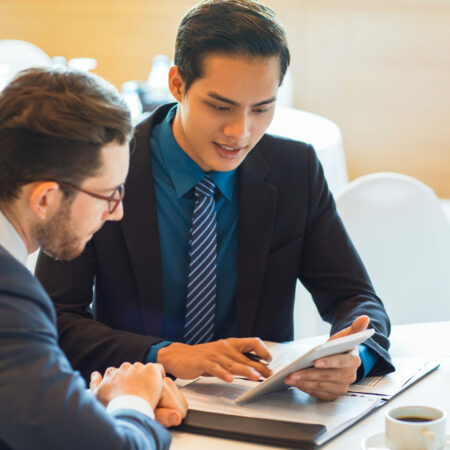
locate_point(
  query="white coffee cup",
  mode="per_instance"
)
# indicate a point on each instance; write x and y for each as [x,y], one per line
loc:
[415,428]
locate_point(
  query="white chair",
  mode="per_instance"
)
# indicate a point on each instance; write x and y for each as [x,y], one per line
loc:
[16,55]
[403,237]
[19,55]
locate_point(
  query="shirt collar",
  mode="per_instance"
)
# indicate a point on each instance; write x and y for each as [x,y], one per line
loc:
[183,171]
[11,240]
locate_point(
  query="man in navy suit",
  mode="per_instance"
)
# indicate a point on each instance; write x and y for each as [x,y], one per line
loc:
[276,224]
[64,157]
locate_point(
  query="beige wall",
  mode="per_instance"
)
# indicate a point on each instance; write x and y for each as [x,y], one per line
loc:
[379,68]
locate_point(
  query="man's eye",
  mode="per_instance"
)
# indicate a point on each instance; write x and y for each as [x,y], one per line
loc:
[220,108]
[261,110]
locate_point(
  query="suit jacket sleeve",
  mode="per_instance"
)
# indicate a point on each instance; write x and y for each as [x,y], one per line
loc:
[333,272]
[43,402]
[292,213]
[90,344]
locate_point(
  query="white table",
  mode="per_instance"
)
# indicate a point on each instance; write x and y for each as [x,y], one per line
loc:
[427,339]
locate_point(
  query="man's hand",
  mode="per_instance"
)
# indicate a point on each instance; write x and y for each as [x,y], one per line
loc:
[331,376]
[222,359]
[145,381]
[172,406]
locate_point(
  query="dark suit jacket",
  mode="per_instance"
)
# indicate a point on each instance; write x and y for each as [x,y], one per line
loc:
[288,229]
[43,402]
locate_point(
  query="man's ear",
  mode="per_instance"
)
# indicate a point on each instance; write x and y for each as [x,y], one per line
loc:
[45,197]
[176,83]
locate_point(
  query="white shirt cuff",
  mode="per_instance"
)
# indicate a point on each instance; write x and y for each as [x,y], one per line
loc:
[131,402]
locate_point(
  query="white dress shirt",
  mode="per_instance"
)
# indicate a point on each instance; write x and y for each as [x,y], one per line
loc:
[11,241]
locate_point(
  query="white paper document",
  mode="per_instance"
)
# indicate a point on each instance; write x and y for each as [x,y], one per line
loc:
[407,371]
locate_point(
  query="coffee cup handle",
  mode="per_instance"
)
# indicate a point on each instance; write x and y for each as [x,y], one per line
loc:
[429,436]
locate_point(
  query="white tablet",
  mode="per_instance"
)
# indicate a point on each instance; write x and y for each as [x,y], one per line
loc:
[276,381]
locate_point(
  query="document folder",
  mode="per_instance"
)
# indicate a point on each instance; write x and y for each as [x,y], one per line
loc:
[291,418]
[265,431]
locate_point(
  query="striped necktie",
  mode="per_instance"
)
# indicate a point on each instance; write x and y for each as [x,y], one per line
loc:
[201,289]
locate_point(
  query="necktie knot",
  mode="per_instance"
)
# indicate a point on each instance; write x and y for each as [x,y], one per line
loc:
[205,187]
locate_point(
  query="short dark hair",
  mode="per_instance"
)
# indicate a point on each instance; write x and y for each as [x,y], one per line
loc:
[232,27]
[53,124]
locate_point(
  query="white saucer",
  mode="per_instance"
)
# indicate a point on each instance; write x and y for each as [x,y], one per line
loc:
[378,442]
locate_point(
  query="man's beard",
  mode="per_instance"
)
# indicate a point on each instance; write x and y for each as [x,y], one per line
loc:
[58,238]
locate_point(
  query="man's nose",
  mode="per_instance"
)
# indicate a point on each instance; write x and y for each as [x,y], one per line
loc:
[117,214]
[238,128]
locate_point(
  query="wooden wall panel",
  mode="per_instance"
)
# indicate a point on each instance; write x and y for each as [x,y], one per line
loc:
[379,68]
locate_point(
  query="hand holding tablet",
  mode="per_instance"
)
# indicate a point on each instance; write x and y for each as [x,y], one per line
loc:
[331,347]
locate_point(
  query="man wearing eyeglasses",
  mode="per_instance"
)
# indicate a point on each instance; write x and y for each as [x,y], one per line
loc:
[70,239]
[64,157]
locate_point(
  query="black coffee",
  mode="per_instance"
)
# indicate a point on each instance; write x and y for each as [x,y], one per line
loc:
[414,419]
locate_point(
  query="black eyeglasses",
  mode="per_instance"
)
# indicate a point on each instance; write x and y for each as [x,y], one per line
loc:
[113,200]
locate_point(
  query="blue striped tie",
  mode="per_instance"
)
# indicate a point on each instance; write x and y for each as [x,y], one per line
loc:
[201,290]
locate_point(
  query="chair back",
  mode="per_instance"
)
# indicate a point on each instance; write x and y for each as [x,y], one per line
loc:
[402,234]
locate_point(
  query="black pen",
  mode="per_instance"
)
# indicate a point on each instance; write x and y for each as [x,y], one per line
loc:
[256,358]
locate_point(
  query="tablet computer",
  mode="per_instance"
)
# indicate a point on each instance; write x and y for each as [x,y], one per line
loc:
[276,381]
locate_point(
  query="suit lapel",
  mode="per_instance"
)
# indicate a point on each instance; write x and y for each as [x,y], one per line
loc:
[140,228]
[256,219]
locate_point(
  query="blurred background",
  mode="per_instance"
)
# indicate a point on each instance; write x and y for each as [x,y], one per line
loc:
[380,69]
